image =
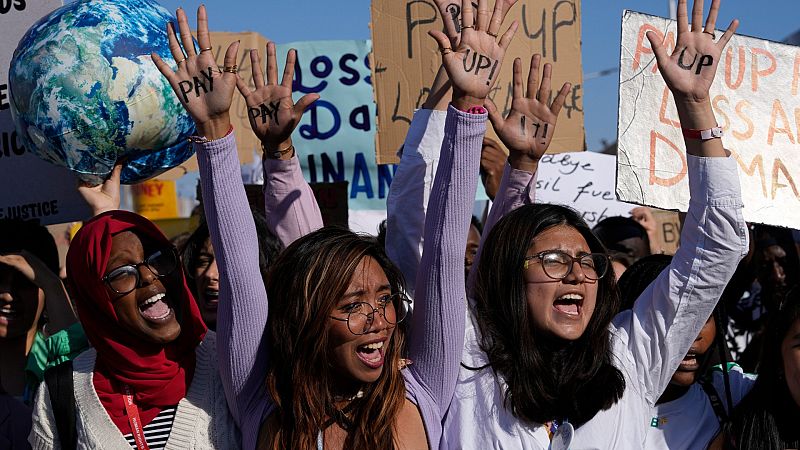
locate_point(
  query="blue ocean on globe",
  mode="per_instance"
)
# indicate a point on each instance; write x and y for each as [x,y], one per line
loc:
[85,93]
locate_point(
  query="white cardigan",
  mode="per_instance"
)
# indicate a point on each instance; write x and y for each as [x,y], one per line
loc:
[202,420]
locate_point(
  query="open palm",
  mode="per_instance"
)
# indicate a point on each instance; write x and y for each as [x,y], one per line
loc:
[529,127]
[204,91]
[689,71]
[272,112]
[474,65]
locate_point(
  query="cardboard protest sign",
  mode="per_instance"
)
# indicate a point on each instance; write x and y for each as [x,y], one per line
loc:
[581,180]
[246,142]
[30,188]
[156,199]
[336,136]
[406,60]
[668,231]
[755,99]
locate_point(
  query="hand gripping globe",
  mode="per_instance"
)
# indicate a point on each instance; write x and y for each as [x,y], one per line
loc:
[85,93]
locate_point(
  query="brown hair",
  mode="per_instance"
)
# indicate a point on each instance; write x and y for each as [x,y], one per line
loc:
[304,285]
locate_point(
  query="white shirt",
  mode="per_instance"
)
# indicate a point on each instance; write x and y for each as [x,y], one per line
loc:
[648,342]
[690,422]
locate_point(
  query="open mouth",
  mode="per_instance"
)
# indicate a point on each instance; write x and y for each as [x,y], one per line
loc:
[371,354]
[156,309]
[569,304]
[690,362]
[211,297]
[8,313]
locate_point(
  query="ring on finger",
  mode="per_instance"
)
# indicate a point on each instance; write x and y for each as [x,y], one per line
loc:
[179,62]
[231,69]
[446,51]
[464,27]
[711,33]
[491,34]
[205,49]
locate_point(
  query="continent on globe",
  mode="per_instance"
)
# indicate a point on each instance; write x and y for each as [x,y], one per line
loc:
[85,94]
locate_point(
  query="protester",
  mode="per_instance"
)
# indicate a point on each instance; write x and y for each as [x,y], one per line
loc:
[625,236]
[200,265]
[38,327]
[151,378]
[546,356]
[767,418]
[327,384]
[694,407]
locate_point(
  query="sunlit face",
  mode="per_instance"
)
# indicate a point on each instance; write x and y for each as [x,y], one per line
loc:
[147,312]
[560,308]
[686,374]
[21,304]
[361,358]
[790,351]
[473,241]
[206,279]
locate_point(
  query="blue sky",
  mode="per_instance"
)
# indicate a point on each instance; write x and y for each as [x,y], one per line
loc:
[297,20]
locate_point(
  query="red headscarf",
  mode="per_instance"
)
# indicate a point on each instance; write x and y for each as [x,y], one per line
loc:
[158,375]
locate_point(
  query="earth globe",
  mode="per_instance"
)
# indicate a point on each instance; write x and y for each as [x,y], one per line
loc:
[85,93]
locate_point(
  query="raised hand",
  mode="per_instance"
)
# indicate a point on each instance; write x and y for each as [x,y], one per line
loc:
[529,127]
[451,17]
[204,91]
[105,196]
[272,112]
[689,71]
[474,65]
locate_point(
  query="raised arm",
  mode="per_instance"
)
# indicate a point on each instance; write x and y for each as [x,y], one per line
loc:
[438,322]
[412,184]
[670,313]
[242,315]
[291,208]
[526,131]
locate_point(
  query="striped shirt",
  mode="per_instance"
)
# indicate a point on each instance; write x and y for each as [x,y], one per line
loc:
[156,432]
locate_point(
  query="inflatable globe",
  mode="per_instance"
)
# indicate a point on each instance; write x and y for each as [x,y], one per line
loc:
[85,93]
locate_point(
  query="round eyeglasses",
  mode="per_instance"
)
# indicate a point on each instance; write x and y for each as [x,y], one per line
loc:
[125,279]
[360,315]
[558,265]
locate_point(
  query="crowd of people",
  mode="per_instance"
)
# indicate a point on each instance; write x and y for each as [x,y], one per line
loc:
[526,330]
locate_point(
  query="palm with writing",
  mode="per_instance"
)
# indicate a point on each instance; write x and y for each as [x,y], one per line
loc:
[474,66]
[689,71]
[272,112]
[204,90]
[529,127]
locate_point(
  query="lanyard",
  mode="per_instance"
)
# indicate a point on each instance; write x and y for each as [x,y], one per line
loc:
[133,419]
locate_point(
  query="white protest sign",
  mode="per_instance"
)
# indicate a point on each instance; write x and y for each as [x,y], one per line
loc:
[30,189]
[755,99]
[583,181]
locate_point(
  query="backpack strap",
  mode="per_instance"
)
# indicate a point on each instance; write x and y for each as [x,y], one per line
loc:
[62,399]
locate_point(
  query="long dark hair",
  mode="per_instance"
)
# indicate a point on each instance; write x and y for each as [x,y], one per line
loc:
[304,285]
[546,380]
[768,417]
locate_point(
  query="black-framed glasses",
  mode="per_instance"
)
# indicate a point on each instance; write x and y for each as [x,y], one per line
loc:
[124,279]
[558,265]
[360,315]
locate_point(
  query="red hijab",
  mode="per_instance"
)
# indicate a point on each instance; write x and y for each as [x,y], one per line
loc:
[158,375]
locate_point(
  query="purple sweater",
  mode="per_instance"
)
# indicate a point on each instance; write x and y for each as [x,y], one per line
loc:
[438,326]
